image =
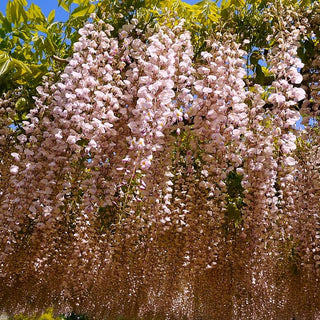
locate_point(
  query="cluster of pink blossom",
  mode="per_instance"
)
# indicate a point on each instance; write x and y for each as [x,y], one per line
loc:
[270,161]
[148,183]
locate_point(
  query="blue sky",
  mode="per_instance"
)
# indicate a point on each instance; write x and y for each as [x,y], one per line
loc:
[45,5]
[48,5]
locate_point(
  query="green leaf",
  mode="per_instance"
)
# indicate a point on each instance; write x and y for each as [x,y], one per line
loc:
[41,28]
[18,14]
[53,25]
[38,70]
[20,34]
[22,2]
[255,57]
[9,12]
[151,3]
[63,5]
[259,75]
[302,54]
[49,45]
[213,18]
[3,56]
[263,76]
[35,13]
[21,65]
[4,67]
[51,16]
[21,104]
[80,2]
[208,9]
[238,3]
[82,11]
[5,24]
[23,16]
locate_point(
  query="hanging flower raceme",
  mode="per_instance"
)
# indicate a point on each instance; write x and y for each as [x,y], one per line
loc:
[157,82]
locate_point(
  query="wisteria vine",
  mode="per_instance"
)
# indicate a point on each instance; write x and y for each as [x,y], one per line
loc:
[147,183]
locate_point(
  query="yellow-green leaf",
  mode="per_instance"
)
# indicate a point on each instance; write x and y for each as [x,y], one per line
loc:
[21,104]
[35,12]
[3,56]
[81,2]
[22,15]
[21,65]
[63,5]
[4,66]
[239,3]
[49,45]
[81,11]
[41,28]
[225,4]
[10,12]
[37,70]
[213,17]
[22,2]
[51,16]
[187,5]
[151,3]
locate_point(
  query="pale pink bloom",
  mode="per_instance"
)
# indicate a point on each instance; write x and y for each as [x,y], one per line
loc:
[14,169]
[32,209]
[239,107]
[236,133]
[276,98]
[206,90]
[140,143]
[199,87]
[240,171]
[206,55]
[159,134]
[76,75]
[59,134]
[78,46]
[126,159]
[16,156]
[22,138]
[72,139]
[178,113]
[295,76]
[211,78]
[298,94]
[92,143]
[292,116]
[146,163]
[82,92]
[111,117]
[70,96]
[289,161]
[165,96]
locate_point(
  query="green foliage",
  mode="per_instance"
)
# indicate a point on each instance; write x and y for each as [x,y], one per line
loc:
[48,315]
[234,198]
[29,41]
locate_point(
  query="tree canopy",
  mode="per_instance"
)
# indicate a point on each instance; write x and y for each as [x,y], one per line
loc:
[151,162]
